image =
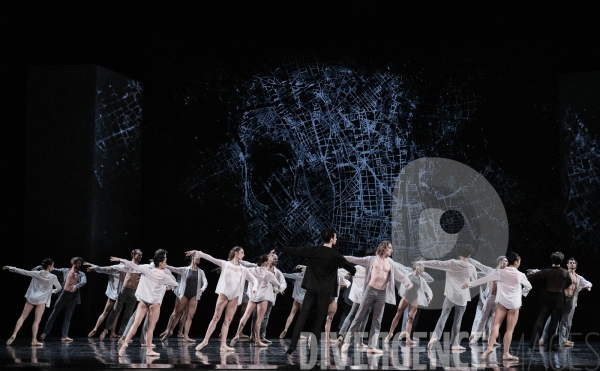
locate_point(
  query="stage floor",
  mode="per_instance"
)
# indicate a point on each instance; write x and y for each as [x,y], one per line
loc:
[175,354]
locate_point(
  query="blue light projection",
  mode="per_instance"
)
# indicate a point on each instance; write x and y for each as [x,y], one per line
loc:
[320,145]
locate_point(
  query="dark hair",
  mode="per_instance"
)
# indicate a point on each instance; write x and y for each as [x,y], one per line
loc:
[233,251]
[160,251]
[466,250]
[262,260]
[383,245]
[327,235]
[134,251]
[557,257]
[76,259]
[159,258]
[370,252]
[573,259]
[47,262]
[188,260]
[512,257]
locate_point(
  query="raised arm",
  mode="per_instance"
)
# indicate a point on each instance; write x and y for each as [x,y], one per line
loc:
[201,255]
[360,261]
[24,272]
[178,270]
[443,265]
[484,268]
[480,281]
[247,264]
[129,264]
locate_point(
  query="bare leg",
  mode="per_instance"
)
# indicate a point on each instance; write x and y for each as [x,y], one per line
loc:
[500,314]
[189,315]
[26,310]
[179,307]
[229,313]
[261,308]
[107,307]
[330,313]
[152,318]
[412,311]
[511,320]
[140,313]
[39,311]
[399,313]
[182,320]
[113,330]
[219,308]
[295,307]
[249,308]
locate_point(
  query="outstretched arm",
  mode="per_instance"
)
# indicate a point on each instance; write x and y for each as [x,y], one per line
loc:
[201,255]
[360,261]
[480,281]
[21,271]
[444,265]
[484,268]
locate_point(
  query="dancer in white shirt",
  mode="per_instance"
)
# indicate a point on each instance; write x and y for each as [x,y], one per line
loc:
[297,294]
[38,296]
[457,271]
[508,296]
[258,295]
[192,283]
[149,295]
[230,290]
[410,299]
[115,283]
[489,307]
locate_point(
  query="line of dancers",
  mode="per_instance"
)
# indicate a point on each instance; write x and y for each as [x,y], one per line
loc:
[137,290]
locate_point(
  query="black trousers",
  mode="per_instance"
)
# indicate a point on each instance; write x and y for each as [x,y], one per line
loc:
[312,299]
[545,312]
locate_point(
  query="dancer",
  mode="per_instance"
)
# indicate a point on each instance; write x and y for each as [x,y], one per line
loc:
[149,296]
[38,296]
[458,271]
[421,300]
[552,298]
[115,281]
[271,299]
[267,282]
[332,308]
[578,283]
[380,288]
[508,297]
[192,283]
[489,307]
[320,282]
[126,294]
[74,280]
[297,295]
[410,299]
[229,289]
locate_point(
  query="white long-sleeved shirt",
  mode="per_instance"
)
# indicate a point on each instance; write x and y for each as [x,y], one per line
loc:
[266,283]
[458,272]
[114,280]
[298,292]
[183,273]
[272,295]
[40,288]
[509,291]
[231,280]
[358,284]
[342,280]
[424,289]
[581,285]
[153,282]
[396,274]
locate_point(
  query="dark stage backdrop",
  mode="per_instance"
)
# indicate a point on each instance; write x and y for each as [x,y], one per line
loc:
[256,142]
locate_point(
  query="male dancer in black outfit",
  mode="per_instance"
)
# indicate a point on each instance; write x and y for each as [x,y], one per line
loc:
[552,299]
[320,282]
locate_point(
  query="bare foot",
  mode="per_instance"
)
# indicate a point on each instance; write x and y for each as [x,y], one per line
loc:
[36,343]
[103,334]
[11,339]
[509,357]
[225,348]
[328,340]
[114,335]
[260,344]
[143,345]
[66,340]
[234,340]
[431,342]
[166,336]
[409,341]
[122,350]
[457,347]
[487,352]
[92,333]
[388,338]
[202,345]
[339,340]
[188,340]
[283,333]
[242,336]
[163,333]
[152,353]
[180,335]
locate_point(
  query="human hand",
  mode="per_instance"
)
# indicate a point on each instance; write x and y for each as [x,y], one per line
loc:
[465,286]
[5,267]
[115,259]
[191,252]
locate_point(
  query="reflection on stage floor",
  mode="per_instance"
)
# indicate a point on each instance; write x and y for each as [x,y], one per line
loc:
[175,354]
